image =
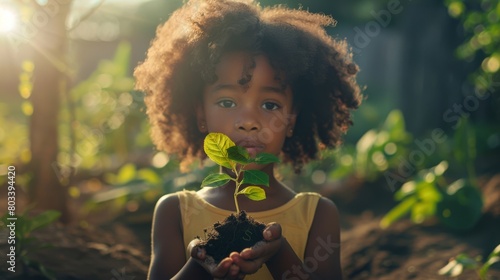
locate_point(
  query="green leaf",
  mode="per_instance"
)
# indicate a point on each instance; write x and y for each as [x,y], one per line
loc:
[44,219]
[494,257]
[255,177]
[495,253]
[395,125]
[265,158]
[254,193]
[428,192]
[397,212]
[215,146]
[216,180]
[466,261]
[407,189]
[458,264]
[238,154]
[149,176]
[461,206]
[126,174]
[453,269]
[121,59]
[422,210]
[484,269]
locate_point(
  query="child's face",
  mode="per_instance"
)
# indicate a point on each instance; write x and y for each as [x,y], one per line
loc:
[257,115]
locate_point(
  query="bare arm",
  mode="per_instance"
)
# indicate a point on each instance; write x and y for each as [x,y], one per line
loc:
[323,244]
[168,259]
[168,252]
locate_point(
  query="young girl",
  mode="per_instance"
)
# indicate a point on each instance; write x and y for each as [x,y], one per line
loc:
[273,81]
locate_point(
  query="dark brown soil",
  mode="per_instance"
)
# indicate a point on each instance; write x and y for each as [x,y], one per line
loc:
[110,253]
[406,250]
[234,234]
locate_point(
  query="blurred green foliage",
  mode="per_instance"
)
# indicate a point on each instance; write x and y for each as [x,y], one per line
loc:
[457,205]
[418,197]
[25,242]
[376,152]
[14,142]
[136,190]
[481,21]
[102,123]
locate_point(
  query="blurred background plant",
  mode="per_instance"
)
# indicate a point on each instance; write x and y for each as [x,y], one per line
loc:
[458,205]
[26,244]
[463,261]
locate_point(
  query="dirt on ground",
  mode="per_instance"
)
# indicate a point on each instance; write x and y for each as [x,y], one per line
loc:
[118,250]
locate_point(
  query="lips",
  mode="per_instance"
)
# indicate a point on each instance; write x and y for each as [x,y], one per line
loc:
[253,147]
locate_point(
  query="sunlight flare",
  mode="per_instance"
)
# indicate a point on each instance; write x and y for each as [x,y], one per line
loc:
[8,20]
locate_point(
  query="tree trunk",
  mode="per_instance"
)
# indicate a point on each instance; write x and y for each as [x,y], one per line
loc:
[49,48]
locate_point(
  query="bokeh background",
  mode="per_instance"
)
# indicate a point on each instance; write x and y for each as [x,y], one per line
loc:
[422,159]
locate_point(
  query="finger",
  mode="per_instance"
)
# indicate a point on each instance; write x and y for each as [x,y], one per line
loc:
[252,253]
[272,232]
[261,249]
[234,255]
[222,269]
[209,263]
[248,266]
[234,270]
[195,242]
[196,251]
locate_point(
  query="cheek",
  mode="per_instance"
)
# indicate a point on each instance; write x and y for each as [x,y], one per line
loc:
[276,125]
[217,118]
[278,122]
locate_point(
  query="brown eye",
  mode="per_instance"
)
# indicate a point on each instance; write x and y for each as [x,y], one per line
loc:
[226,104]
[270,106]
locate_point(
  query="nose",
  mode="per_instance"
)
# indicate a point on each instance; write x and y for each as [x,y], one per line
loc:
[247,122]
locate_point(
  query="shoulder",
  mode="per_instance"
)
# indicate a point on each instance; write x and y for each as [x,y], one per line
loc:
[166,211]
[171,201]
[325,204]
[167,214]
[326,216]
[167,203]
[170,207]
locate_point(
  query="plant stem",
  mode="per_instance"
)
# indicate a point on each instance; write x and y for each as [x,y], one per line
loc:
[236,199]
[236,189]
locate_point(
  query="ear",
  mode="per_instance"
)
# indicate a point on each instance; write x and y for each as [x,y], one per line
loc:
[200,118]
[292,118]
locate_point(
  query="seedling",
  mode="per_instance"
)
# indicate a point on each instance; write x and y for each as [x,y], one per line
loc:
[238,231]
[223,151]
[463,261]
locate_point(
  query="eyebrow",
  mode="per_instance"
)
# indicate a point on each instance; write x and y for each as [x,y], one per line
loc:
[273,89]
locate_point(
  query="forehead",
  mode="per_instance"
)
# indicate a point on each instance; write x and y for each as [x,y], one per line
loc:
[241,67]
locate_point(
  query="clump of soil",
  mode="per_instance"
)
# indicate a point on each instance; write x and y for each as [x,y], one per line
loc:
[234,234]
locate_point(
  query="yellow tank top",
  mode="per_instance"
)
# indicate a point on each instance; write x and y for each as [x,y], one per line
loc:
[295,218]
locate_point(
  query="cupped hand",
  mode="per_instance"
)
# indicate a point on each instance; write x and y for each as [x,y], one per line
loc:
[250,260]
[225,269]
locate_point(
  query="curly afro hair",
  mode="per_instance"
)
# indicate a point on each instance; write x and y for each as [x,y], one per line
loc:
[182,58]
